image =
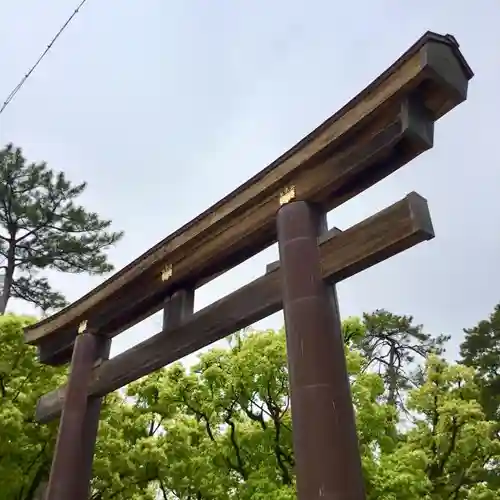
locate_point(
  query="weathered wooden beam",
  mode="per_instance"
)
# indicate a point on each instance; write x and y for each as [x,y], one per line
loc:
[328,183]
[381,129]
[343,254]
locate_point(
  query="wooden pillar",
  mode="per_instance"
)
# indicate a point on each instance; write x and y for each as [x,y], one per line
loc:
[177,308]
[90,428]
[72,463]
[328,463]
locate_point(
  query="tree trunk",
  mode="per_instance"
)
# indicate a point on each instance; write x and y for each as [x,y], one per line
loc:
[392,377]
[9,275]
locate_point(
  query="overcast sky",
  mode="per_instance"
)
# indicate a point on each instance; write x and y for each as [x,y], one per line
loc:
[163,107]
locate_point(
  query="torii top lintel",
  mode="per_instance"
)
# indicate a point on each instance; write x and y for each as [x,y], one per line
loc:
[392,118]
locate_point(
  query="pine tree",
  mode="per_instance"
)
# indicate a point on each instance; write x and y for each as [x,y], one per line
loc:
[481,350]
[394,347]
[41,227]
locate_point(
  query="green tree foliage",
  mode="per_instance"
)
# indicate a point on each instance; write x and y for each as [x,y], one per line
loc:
[25,446]
[41,227]
[123,468]
[481,350]
[444,454]
[394,347]
[222,430]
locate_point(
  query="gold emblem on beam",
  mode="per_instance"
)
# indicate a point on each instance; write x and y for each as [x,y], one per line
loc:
[287,195]
[167,272]
[82,327]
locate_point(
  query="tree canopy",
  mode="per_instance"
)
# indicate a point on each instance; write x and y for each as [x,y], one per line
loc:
[222,429]
[25,446]
[42,227]
[481,349]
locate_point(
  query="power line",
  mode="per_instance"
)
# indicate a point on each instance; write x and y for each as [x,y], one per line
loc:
[18,87]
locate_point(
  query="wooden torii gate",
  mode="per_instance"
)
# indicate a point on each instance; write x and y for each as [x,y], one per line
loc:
[381,129]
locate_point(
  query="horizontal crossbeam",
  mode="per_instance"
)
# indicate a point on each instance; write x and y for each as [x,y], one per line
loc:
[343,254]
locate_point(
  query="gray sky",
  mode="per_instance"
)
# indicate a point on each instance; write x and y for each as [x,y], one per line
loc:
[163,107]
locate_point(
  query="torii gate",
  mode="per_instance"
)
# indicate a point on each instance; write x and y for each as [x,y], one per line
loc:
[381,129]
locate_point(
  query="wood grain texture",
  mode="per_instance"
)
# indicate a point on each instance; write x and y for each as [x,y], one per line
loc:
[343,254]
[381,129]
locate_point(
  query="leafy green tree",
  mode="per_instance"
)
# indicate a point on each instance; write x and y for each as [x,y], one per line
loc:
[445,453]
[223,429]
[122,463]
[226,424]
[481,350]
[41,227]
[25,446]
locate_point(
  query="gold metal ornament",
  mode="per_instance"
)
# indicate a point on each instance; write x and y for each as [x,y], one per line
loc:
[167,272]
[287,195]
[82,327]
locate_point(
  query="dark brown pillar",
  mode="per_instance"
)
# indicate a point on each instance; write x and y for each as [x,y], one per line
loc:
[328,463]
[177,308]
[90,428]
[72,462]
